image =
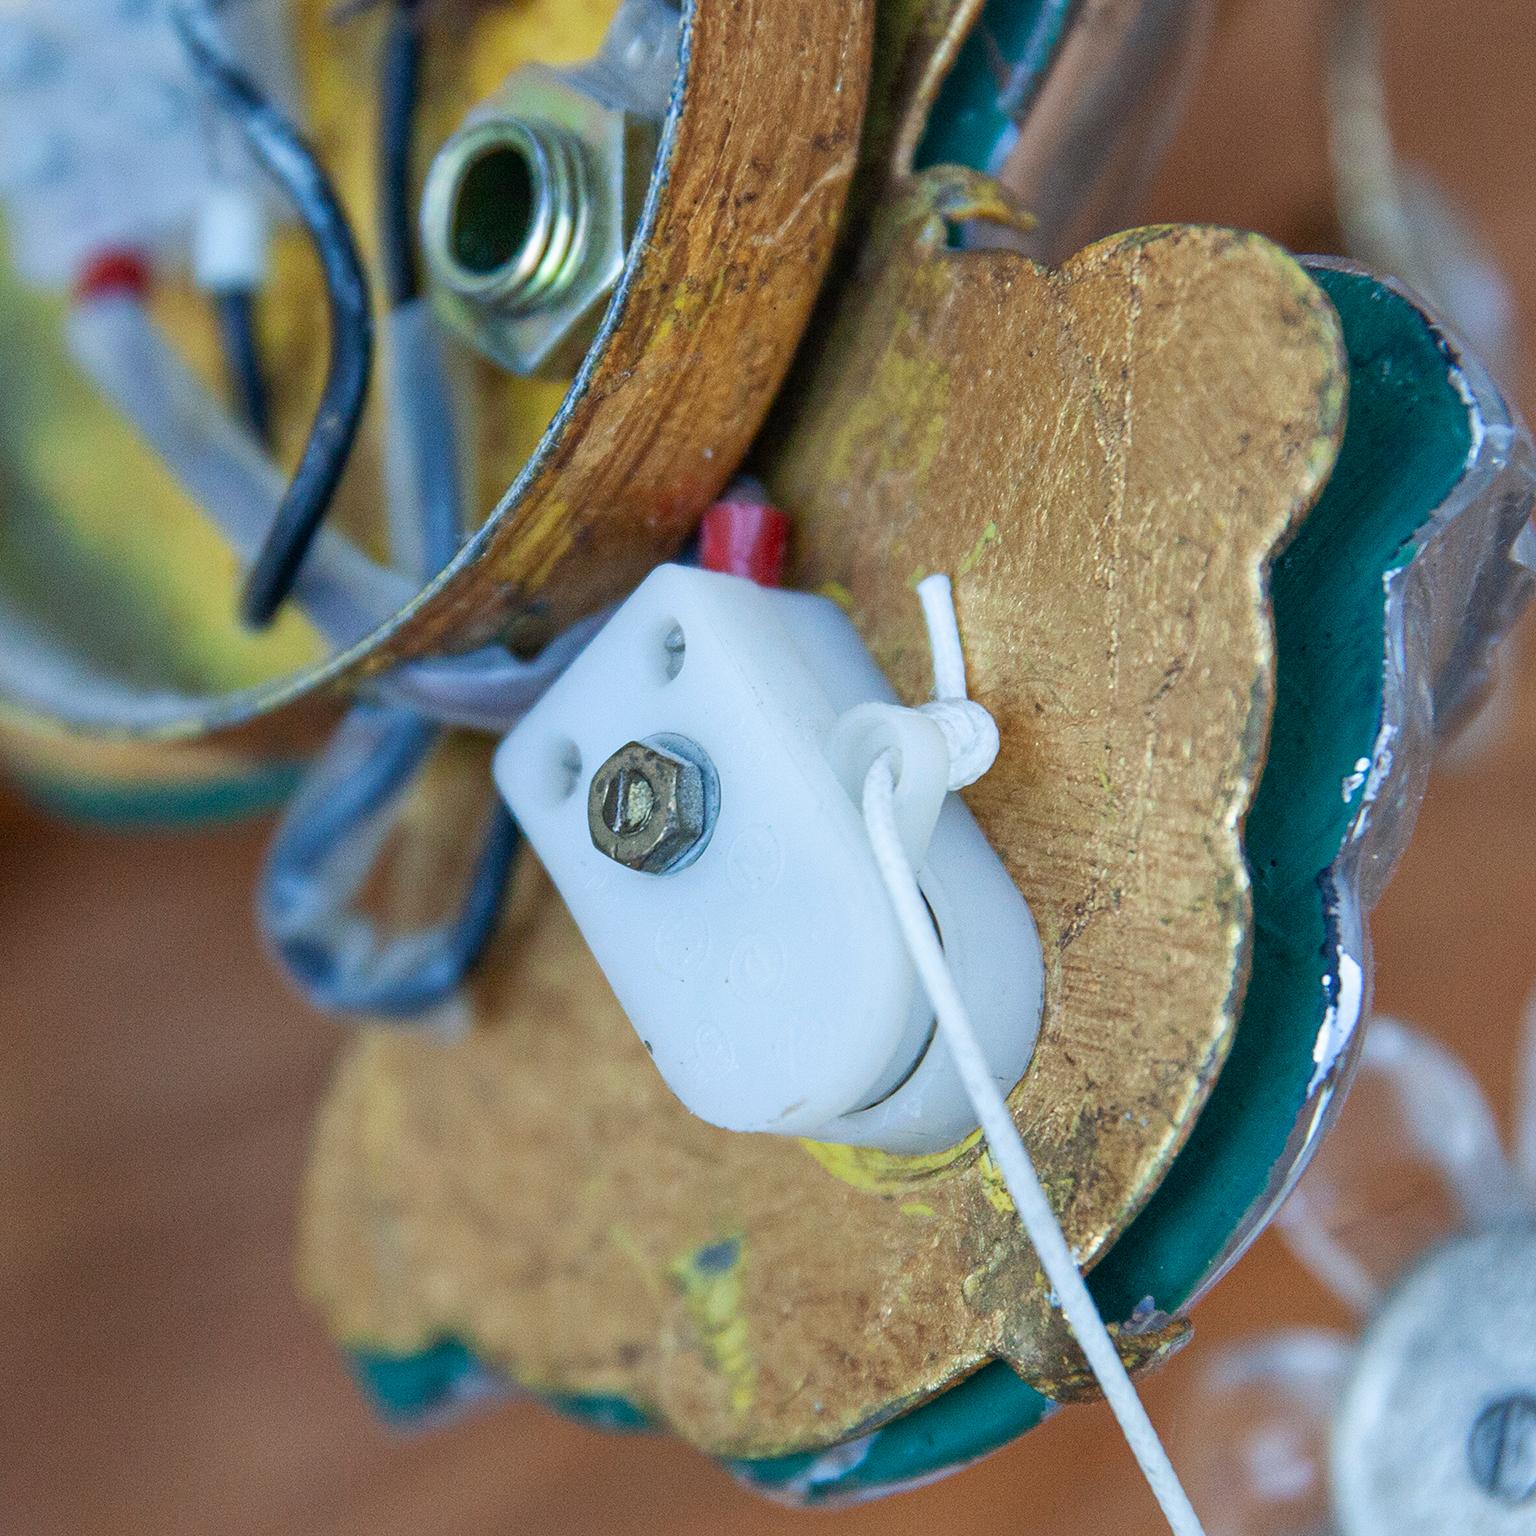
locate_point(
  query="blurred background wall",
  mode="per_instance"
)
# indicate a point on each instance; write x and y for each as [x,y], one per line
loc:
[157,1370]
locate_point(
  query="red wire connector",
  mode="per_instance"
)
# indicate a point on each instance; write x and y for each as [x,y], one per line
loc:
[112,272]
[741,536]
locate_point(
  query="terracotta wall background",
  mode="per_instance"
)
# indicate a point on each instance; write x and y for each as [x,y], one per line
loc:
[157,1371]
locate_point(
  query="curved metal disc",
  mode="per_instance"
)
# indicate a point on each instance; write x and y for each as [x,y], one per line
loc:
[1420,1446]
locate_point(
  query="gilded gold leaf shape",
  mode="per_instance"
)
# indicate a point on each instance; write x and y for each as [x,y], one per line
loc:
[1104,458]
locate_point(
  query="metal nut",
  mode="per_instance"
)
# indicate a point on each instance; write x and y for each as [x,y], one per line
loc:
[649,808]
[527,216]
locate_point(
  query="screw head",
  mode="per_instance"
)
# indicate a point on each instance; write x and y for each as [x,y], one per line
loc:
[1502,1449]
[648,807]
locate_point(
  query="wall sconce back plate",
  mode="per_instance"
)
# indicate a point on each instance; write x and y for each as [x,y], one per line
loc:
[1105,458]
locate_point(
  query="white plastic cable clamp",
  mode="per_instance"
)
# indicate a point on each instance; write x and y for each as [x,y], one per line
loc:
[769,977]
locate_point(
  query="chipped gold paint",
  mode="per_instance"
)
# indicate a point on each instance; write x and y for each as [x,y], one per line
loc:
[838,593]
[1144,428]
[992,1185]
[977,552]
[624,1240]
[1074,1381]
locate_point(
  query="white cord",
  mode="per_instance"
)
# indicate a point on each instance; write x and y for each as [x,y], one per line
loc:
[937,595]
[1003,1139]
[970,732]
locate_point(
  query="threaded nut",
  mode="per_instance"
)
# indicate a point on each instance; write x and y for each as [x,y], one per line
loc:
[649,808]
[506,212]
[527,215]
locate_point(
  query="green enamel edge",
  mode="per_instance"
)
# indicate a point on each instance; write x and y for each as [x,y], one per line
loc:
[1407,444]
[152,806]
[970,125]
[608,1413]
[406,1388]
[969,1421]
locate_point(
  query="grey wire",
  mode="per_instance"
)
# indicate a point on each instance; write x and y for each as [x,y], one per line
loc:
[336,827]
[322,852]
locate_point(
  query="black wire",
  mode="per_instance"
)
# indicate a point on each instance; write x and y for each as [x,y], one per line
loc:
[399,93]
[282,150]
[400,77]
[235,310]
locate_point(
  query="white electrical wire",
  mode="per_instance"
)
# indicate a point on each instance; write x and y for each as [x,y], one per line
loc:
[970,732]
[1003,1139]
[937,595]
[231,243]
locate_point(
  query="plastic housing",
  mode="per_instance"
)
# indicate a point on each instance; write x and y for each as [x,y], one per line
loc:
[768,979]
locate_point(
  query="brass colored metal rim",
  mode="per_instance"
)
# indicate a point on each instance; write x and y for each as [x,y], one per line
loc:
[667,399]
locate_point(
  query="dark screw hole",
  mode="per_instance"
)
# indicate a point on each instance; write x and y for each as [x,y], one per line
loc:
[493,212]
[1502,1450]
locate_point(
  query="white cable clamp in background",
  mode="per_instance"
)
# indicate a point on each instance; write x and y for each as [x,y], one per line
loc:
[231,239]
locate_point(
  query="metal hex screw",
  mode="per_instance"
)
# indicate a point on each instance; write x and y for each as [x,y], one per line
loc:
[650,808]
[1502,1449]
